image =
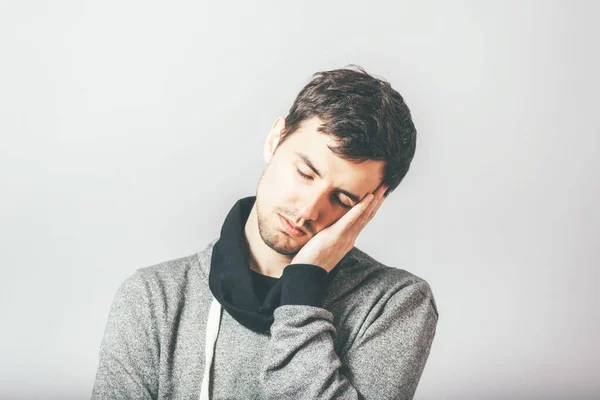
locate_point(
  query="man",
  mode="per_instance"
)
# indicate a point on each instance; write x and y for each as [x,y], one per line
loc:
[282,305]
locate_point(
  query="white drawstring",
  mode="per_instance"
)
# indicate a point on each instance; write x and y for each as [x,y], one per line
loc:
[212,331]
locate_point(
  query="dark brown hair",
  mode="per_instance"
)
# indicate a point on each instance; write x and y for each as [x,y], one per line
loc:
[369,119]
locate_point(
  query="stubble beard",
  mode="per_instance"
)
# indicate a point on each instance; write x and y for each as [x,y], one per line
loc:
[271,236]
[276,240]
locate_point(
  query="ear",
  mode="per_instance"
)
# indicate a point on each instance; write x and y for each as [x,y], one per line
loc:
[273,138]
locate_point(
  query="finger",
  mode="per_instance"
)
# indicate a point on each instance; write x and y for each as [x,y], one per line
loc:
[378,194]
[365,217]
[379,199]
[376,208]
[354,214]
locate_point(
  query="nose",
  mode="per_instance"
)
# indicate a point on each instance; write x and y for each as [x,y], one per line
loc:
[311,206]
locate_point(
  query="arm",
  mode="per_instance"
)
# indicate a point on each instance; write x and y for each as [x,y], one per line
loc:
[385,361]
[129,352]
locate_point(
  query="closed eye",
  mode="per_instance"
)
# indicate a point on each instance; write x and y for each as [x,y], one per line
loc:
[303,175]
[310,178]
[343,204]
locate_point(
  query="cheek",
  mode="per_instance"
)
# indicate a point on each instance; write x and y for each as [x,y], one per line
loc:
[279,184]
[285,179]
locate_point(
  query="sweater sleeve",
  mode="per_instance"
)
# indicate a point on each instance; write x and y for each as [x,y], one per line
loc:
[385,361]
[303,284]
[129,351]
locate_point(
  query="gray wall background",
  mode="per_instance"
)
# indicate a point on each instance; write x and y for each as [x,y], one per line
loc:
[129,128]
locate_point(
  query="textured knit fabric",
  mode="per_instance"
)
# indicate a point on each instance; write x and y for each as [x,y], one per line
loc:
[370,339]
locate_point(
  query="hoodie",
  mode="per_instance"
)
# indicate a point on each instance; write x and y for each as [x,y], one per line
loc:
[362,331]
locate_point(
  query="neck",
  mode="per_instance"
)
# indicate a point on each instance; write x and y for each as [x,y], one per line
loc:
[263,259]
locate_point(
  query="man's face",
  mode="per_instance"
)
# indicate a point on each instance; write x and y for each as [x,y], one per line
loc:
[311,202]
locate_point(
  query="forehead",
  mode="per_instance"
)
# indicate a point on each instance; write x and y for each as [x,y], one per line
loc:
[306,140]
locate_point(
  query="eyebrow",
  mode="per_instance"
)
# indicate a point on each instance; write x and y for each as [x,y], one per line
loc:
[307,161]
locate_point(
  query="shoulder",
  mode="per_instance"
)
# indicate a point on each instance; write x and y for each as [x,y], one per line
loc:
[169,280]
[179,270]
[364,274]
[169,273]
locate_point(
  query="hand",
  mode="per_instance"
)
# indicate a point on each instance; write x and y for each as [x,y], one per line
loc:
[328,247]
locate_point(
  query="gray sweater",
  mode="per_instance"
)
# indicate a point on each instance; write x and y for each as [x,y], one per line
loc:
[370,340]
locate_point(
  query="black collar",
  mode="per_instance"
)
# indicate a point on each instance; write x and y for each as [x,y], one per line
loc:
[230,278]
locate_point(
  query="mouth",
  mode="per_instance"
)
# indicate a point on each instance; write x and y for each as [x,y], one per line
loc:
[290,228]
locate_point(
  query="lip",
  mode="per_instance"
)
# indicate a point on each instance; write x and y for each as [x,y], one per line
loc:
[291,229]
